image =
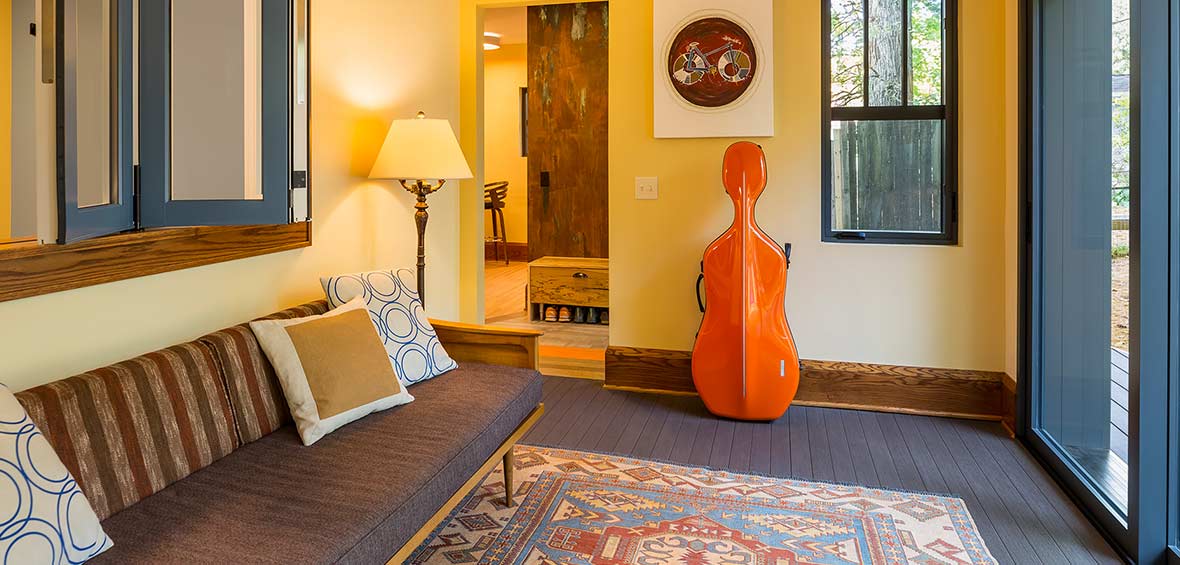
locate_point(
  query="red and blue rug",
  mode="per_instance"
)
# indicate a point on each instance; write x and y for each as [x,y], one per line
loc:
[578,508]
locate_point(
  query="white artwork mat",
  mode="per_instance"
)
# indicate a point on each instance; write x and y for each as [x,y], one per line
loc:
[752,115]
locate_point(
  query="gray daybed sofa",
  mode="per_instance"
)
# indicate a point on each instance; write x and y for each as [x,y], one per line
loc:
[189,456]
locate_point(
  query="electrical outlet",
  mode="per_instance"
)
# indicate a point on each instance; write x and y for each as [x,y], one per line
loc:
[647,188]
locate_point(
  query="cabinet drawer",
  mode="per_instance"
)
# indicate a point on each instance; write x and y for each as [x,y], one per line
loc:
[569,285]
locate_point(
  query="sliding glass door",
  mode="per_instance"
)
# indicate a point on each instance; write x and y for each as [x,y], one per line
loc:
[1100,263]
[1083,251]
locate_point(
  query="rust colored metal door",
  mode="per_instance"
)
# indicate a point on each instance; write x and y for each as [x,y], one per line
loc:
[567,130]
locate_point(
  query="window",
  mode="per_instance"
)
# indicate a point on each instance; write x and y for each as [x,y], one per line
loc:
[180,113]
[889,155]
[104,95]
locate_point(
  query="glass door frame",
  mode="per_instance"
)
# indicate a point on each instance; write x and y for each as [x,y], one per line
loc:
[1172,531]
[1155,254]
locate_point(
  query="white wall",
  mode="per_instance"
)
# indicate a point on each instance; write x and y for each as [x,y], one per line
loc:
[372,61]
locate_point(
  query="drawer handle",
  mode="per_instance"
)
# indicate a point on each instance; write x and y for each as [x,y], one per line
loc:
[580,275]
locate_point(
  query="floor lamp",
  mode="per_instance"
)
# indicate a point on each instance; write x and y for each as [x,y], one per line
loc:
[422,155]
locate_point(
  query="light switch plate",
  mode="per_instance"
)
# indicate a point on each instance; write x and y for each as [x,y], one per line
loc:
[647,188]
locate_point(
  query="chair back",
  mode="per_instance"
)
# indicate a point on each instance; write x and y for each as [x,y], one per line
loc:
[494,193]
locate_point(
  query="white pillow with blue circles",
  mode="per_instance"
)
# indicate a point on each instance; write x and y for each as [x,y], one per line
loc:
[410,340]
[44,516]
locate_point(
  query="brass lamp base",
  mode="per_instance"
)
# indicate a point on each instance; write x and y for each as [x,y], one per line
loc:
[421,190]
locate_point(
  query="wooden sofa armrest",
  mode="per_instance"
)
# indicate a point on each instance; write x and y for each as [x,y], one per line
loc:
[490,344]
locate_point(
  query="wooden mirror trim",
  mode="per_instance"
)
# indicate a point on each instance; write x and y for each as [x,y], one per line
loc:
[28,269]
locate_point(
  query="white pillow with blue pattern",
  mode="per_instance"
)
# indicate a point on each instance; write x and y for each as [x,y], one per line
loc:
[409,339]
[45,516]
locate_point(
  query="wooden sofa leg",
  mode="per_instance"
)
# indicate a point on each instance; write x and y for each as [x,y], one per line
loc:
[509,464]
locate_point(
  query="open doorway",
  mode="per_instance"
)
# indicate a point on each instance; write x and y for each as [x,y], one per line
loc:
[545,174]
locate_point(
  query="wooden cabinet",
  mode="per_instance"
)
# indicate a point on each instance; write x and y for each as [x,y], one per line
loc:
[569,281]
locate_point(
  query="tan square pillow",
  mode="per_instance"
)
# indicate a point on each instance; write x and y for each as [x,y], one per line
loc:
[333,368]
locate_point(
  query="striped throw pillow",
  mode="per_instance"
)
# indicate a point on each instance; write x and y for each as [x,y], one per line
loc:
[127,431]
[254,391]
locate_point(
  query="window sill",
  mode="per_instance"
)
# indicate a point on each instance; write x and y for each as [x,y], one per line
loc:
[28,270]
[895,238]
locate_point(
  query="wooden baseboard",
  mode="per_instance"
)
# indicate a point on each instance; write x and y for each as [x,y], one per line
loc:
[833,384]
[518,252]
[651,370]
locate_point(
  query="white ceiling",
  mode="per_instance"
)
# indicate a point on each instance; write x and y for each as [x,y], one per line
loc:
[510,23]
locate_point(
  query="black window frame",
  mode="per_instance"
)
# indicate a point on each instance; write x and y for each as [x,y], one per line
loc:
[947,113]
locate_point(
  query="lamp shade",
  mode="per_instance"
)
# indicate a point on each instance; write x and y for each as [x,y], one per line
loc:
[420,149]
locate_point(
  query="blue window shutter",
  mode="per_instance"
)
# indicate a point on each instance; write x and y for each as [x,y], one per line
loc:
[76,223]
[157,208]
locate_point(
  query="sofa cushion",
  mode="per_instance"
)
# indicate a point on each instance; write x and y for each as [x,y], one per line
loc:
[333,368]
[414,349]
[254,393]
[354,497]
[131,429]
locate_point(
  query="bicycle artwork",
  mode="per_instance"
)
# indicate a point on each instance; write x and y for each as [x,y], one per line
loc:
[713,67]
[712,62]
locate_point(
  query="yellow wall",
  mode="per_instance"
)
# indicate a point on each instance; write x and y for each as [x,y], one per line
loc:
[928,306]
[5,119]
[932,306]
[372,61]
[505,73]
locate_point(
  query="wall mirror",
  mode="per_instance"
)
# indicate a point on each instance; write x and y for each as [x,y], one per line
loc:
[129,117]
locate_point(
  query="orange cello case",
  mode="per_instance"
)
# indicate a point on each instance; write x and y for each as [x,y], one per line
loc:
[744,364]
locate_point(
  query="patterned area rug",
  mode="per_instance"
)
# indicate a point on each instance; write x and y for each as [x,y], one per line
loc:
[578,508]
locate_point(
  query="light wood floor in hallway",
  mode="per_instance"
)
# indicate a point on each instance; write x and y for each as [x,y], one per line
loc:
[567,350]
[1024,517]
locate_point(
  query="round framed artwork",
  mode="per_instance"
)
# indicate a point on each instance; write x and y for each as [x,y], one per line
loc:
[712,61]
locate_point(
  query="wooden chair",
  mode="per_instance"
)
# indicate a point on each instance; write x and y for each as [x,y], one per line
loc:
[493,200]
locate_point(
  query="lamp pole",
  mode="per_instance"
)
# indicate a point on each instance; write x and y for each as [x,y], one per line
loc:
[421,190]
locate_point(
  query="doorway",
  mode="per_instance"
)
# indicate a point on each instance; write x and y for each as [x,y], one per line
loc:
[545,179]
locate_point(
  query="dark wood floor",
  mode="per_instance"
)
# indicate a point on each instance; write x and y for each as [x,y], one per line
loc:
[1023,516]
